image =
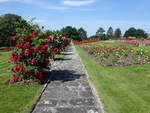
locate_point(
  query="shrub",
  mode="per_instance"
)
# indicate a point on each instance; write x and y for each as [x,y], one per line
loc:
[32,52]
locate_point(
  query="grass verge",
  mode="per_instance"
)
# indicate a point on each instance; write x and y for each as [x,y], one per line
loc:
[121,89]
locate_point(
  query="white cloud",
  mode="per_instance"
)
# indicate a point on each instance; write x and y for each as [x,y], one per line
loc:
[78,3]
[37,3]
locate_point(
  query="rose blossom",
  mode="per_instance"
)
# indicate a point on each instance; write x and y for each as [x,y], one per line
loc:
[34,61]
[34,49]
[15,38]
[34,32]
[54,49]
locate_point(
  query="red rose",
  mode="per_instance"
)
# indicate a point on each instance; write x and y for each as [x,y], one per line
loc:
[34,32]
[19,58]
[28,74]
[15,38]
[54,49]
[26,46]
[44,47]
[28,38]
[15,78]
[16,69]
[34,49]
[27,53]
[34,61]
[19,45]
[49,39]
[42,43]
[40,76]
[23,69]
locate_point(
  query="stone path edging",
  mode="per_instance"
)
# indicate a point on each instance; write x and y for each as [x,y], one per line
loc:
[92,86]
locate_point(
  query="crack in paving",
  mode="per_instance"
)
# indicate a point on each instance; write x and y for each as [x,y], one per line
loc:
[69,90]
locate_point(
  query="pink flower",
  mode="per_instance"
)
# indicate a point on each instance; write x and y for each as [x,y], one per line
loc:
[15,38]
[55,34]
[63,37]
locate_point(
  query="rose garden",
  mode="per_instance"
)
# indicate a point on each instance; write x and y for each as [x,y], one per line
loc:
[117,67]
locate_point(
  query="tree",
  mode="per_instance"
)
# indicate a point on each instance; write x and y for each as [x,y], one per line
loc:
[100,33]
[131,32]
[70,32]
[82,34]
[110,33]
[117,33]
[9,23]
[140,33]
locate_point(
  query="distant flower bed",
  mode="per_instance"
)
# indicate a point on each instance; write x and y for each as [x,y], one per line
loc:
[117,56]
[138,42]
[122,39]
[87,41]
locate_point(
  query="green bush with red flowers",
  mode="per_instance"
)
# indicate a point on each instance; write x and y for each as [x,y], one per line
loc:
[32,52]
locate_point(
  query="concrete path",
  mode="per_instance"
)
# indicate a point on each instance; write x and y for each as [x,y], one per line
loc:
[69,91]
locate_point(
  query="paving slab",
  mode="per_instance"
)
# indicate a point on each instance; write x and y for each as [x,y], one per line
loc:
[69,90]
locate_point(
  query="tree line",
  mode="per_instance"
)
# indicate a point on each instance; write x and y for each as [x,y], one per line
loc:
[10,22]
[110,34]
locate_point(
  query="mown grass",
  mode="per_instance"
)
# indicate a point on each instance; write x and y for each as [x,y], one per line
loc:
[15,98]
[121,89]
[117,43]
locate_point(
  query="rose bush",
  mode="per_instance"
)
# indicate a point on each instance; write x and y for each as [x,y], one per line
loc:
[32,52]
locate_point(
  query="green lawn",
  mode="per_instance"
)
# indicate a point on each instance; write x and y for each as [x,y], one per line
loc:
[121,89]
[122,44]
[15,98]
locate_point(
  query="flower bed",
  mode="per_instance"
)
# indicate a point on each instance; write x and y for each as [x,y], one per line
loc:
[117,56]
[138,42]
[87,41]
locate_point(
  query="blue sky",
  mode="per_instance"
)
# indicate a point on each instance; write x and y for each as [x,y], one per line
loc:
[89,14]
